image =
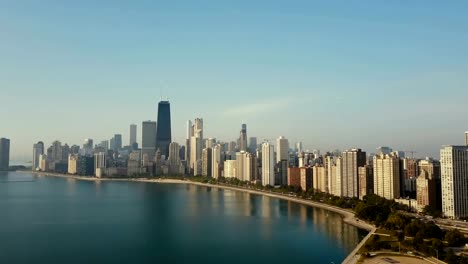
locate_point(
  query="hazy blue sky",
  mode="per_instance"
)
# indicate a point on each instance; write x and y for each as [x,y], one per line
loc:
[334,74]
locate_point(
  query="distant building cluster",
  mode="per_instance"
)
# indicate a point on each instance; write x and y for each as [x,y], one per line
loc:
[420,183]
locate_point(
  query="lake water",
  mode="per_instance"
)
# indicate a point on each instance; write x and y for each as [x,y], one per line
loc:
[59,220]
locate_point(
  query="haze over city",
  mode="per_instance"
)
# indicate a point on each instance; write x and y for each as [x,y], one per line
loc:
[334,76]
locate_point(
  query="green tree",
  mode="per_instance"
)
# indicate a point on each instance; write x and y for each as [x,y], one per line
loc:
[454,238]
[451,258]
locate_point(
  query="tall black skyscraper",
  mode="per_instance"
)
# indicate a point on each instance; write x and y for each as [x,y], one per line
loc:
[163,130]
[4,154]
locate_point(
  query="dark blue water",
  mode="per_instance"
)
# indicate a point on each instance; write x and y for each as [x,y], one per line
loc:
[57,220]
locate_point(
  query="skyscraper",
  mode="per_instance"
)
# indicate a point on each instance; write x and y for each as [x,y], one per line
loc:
[283,149]
[163,130]
[252,144]
[88,147]
[299,147]
[428,185]
[148,140]
[187,142]
[133,135]
[196,147]
[387,176]
[351,161]
[99,163]
[454,174]
[268,164]
[56,151]
[243,138]
[466,138]
[117,142]
[216,166]
[174,159]
[38,149]
[207,162]
[4,154]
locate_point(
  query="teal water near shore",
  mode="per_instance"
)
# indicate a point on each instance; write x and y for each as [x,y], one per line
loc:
[60,220]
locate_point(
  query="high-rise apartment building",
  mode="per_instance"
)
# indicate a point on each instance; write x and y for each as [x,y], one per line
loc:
[366,181]
[187,142]
[306,178]
[243,138]
[133,135]
[428,185]
[88,146]
[207,162]
[454,176]
[210,142]
[100,161]
[116,142]
[387,176]
[175,165]
[334,175]
[148,140]
[320,178]
[240,169]
[230,168]
[351,161]
[294,177]
[56,154]
[268,164]
[163,131]
[196,147]
[251,165]
[38,149]
[72,164]
[466,138]
[217,162]
[282,152]
[43,165]
[4,154]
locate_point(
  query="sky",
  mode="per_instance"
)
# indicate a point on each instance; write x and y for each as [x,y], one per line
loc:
[333,74]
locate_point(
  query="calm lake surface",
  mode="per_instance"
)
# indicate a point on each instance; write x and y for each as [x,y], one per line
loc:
[59,220]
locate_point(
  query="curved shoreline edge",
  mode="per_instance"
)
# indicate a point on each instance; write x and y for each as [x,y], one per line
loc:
[348,216]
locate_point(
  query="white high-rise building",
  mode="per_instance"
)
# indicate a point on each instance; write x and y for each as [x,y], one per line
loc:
[148,140]
[299,147]
[230,168]
[216,161]
[196,147]
[268,164]
[99,163]
[250,167]
[133,134]
[174,158]
[334,175]
[210,142]
[283,149]
[38,150]
[240,169]
[387,176]
[175,165]
[351,161]
[454,177]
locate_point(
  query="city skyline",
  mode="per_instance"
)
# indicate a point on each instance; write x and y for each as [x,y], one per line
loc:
[26,157]
[331,76]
